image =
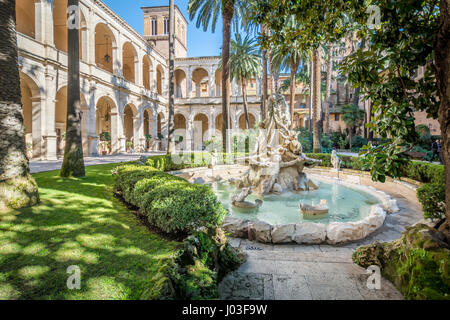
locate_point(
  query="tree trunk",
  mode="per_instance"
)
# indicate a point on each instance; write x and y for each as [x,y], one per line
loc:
[294,67]
[350,136]
[311,94]
[269,59]
[442,63]
[17,187]
[328,90]
[317,148]
[264,79]
[73,163]
[171,129]
[227,16]
[244,97]
[370,132]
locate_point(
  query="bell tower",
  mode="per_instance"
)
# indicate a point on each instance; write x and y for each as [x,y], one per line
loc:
[156,30]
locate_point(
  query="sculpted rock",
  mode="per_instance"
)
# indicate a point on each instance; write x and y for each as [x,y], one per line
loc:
[260,231]
[277,162]
[338,232]
[283,233]
[310,233]
[236,227]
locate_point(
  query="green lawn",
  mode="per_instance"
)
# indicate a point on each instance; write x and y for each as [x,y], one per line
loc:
[78,222]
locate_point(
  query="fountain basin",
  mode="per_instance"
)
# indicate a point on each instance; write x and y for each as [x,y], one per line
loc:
[355,212]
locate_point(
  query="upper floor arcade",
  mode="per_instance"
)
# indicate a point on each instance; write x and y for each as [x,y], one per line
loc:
[110,49]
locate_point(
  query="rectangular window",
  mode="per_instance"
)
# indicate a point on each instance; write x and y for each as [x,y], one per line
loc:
[166,25]
[336,117]
[154,27]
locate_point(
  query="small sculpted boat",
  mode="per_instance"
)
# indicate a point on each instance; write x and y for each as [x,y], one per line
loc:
[309,211]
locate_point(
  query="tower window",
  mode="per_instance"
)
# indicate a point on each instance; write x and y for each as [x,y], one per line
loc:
[166,25]
[154,27]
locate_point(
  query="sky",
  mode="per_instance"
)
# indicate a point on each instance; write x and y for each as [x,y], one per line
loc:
[200,43]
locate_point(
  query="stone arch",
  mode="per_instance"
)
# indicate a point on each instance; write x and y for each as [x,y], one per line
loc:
[106,125]
[159,79]
[61,120]
[180,125]
[131,124]
[25,17]
[31,110]
[201,127]
[60,33]
[129,61]
[105,47]
[180,83]
[146,70]
[251,120]
[200,78]
[219,121]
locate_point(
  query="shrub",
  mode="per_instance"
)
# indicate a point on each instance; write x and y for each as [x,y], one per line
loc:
[431,195]
[170,203]
[358,142]
[432,198]
[306,139]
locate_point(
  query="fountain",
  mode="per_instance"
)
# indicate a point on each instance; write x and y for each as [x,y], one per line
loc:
[341,211]
[276,164]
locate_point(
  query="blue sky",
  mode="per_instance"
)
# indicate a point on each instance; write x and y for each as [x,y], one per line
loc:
[199,43]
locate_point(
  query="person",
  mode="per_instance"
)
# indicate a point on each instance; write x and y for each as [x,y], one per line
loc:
[435,149]
[439,150]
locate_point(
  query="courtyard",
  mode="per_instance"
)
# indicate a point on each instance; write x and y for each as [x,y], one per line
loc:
[301,153]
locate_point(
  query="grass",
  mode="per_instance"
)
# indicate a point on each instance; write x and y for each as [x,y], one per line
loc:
[78,222]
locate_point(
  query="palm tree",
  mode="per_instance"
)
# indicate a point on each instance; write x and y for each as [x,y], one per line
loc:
[73,163]
[171,140]
[328,89]
[17,186]
[317,148]
[290,56]
[244,65]
[207,12]
[352,115]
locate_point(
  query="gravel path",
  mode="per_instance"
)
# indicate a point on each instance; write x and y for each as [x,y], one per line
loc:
[42,166]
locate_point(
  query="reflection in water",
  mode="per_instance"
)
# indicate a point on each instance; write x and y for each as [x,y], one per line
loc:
[346,204]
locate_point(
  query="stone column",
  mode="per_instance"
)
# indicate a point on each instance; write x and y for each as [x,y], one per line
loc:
[44,22]
[48,114]
[37,103]
[116,146]
[189,83]
[138,133]
[92,123]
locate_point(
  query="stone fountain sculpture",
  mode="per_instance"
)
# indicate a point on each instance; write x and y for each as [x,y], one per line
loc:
[335,161]
[277,162]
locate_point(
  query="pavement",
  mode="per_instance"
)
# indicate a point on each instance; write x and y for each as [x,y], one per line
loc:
[42,166]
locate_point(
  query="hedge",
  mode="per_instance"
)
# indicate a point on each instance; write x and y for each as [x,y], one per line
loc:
[190,160]
[431,195]
[170,203]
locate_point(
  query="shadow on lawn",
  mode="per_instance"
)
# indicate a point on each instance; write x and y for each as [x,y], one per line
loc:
[79,222]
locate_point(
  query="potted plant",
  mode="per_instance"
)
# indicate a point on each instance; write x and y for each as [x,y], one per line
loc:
[160,138]
[129,146]
[105,143]
[148,138]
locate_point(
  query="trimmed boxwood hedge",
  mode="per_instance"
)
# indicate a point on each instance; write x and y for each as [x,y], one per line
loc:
[170,203]
[189,160]
[431,195]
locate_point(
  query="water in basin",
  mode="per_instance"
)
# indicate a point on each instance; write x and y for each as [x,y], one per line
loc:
[346,204]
